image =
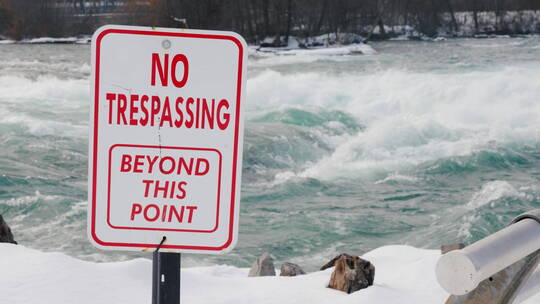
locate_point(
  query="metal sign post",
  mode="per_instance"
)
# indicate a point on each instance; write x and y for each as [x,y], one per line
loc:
[165,278]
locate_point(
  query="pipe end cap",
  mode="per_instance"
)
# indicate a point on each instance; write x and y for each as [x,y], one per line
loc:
[456,273]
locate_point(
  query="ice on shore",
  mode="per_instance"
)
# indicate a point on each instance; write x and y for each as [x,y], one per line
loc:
[330,44]
[337,50]
[353,49]
[282,56]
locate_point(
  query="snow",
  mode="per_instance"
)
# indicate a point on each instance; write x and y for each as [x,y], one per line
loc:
[361,49]
[333,38]
[271,56]
[50,40]
[353,49]
[326,40]
[404,275]
[66,40]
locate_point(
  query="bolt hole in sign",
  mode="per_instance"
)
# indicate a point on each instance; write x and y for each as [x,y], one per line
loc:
[165,148]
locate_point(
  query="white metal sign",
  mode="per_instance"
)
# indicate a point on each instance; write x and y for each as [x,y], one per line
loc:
[165,148]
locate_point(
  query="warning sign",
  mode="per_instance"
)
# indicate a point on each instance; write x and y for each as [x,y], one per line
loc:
[165,149]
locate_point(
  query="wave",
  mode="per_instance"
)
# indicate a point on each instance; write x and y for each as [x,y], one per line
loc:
[409,118]
[53,66]
[493,206]
[44,106]
[337,125]
[487,159]
[333,121]
[493,191]
[44,90]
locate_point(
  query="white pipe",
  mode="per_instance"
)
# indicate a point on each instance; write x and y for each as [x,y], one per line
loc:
[531,288]
[460,271]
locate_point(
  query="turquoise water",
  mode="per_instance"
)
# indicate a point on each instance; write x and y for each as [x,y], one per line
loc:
[424,143]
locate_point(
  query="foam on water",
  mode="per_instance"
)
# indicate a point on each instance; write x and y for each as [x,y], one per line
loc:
[494,195]
[493,191]
[411,118]
[45,106]
[396,177]
[61,93]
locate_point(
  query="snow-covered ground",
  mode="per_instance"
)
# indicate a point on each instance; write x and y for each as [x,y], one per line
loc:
[404,275]
[311,49]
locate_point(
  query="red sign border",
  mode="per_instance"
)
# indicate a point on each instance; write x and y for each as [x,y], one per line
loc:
[236,131]
[164,229]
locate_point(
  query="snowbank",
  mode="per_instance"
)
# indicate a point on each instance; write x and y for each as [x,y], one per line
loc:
[353,49]
[333,39]
[404,275]
[50,40]
[328,39]
[330,44]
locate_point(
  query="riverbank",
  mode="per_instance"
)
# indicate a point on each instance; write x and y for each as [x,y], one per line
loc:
[404,275]
[85,39]
[329,40]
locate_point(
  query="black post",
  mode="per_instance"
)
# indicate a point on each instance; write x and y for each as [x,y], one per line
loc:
[165,278]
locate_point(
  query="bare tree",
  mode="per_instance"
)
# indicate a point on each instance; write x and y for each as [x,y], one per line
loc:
[257,19]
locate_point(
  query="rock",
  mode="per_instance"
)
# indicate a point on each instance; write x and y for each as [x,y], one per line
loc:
[5,232]
[333,261]
[263,266]
[291,270]
[351,273]
[451,247]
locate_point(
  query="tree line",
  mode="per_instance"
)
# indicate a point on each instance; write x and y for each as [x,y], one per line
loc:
[258,19]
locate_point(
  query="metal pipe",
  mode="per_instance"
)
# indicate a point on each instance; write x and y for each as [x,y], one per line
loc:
[531,288]
[460,271]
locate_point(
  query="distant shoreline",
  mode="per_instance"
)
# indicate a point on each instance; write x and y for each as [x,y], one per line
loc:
[86,39]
